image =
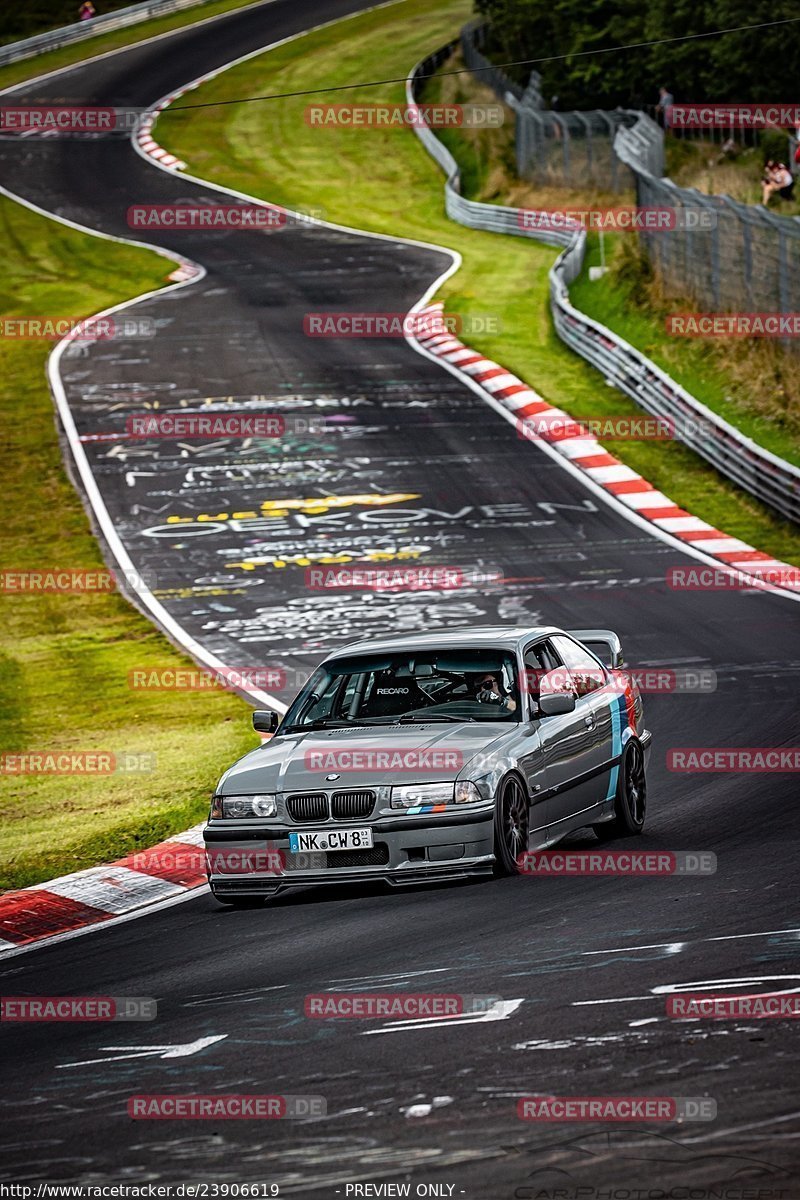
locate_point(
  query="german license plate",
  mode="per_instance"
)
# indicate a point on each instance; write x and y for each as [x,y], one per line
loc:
[331,839]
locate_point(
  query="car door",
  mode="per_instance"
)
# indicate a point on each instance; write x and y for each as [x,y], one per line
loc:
[538,660]
[564,740]
[584,760]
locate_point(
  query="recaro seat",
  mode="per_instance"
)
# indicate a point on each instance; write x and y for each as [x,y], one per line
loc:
[391,697]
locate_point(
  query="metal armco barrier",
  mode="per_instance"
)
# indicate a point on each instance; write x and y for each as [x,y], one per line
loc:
[55,38]
[738,458]
[748,262]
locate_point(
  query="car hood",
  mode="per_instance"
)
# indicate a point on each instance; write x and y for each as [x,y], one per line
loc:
[361,757]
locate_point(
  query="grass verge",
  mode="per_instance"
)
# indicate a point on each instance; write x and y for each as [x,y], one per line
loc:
[381,179]
[736,173]
[66,659]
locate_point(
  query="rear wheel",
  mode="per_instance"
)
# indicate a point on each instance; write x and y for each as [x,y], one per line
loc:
[510,826]
[630,804]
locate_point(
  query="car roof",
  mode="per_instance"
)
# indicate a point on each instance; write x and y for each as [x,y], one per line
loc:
[474,636]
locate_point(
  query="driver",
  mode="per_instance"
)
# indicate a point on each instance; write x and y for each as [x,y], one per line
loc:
[487,688]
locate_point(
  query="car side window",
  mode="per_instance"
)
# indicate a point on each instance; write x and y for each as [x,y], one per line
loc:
[538,661]
[586,671]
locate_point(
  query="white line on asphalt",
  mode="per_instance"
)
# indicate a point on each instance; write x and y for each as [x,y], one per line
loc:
[726,937]
[184,1050]
[663,989]
[500,1011]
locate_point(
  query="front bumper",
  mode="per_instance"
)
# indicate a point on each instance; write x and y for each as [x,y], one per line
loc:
[406,850]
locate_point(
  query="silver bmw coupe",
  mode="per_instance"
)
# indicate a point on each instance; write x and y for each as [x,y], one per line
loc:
[434,757]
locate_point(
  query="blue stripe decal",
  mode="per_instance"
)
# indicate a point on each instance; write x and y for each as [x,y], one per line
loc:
[616,742]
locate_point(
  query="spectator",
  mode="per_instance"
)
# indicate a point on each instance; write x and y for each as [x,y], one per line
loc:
[776,178]
[665,102]
[86,11]
[556,126]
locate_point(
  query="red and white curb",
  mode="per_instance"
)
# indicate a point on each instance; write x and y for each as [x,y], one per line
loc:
[149,146]
[144,134]
[570,439]
[98,894]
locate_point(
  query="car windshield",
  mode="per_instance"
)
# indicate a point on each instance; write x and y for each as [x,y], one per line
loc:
[409,686]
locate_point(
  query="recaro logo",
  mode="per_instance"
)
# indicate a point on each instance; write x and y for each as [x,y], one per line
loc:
[391,691]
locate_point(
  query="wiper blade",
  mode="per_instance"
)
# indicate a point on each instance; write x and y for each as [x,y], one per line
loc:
[323,723]
[437,717]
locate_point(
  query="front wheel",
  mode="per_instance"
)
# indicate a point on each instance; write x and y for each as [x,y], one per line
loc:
[510,826]
[631,800]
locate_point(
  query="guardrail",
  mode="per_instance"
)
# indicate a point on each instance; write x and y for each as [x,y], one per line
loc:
[54,39]
[740,459]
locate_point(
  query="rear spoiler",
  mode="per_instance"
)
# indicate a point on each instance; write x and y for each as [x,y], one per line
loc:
[602,642]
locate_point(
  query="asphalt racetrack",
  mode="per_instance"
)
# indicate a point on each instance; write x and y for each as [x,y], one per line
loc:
[425,470]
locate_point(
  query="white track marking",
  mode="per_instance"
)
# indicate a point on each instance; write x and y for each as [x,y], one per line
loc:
[180,1051]
[726,937]
[500,1011]
[666,989]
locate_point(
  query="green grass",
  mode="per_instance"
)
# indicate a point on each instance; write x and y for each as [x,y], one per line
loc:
[65,659]
[714,371]
[701,164]
[383,180]
[29,68]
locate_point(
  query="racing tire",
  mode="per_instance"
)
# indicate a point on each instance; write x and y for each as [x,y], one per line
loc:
[511,820]
[630,804]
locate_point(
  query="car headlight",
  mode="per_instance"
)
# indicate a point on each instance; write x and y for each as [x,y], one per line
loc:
[467,792]
[244,806]
[412,794]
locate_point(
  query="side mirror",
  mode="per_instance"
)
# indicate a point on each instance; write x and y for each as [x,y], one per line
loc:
[554,703]
[265,721]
